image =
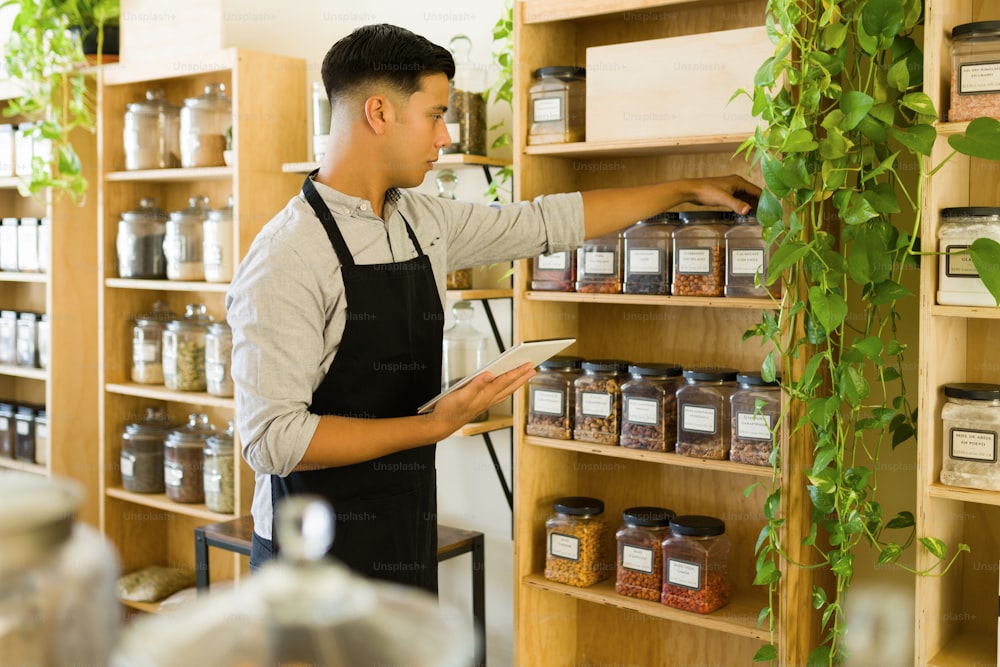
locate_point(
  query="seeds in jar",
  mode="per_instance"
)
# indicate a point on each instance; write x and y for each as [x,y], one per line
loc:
[575,554]
[640,567]
[699,272]
[712,592]
[190,367]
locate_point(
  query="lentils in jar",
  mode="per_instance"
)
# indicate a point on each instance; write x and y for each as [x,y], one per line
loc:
[576,542]
[700,254]
[695,564]
[649,407]
[640,552]
[598,401]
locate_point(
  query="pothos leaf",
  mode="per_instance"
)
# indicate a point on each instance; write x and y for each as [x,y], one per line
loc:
[981,139]
[883,18]
[855,106]
[829,307]
[766,653]
[919,138]
[937,548]
[985,254]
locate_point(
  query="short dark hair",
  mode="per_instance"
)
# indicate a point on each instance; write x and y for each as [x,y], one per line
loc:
[385,54]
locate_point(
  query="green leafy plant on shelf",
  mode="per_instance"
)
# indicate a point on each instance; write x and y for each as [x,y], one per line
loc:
[46,60]
[502,92]
[841,108]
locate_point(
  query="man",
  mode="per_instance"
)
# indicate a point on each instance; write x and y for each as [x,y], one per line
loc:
[337,308]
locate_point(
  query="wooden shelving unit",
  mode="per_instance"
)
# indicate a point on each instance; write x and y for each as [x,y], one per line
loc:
[956,620]
[268,93]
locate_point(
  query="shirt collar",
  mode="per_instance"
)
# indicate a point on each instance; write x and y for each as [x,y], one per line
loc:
[342,204]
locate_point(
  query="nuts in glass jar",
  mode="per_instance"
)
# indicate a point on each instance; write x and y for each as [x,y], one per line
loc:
[598,401]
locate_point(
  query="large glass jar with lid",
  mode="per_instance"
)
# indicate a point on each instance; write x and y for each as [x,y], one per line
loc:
[696,564]
[975,86]
[552,398]
[703,428]
[139,243]
[184,350]
[218,250]
[8,244]
[464,349]
[755,409]
[7,429]
[557,111]
[466,114]
[183,244]
[700,254]
[27,339]
[27,245]
[204,122]
[44,338]
[599,265]
[152,133]
[220,471]
[648,248]
[147,343]
[959,282]
[640,552]
[649,407]
[184,459]
[577,541]
[599,401]
[218,359]
[142,451]
[970,424]
[747,257]
[554,272]
[8,337]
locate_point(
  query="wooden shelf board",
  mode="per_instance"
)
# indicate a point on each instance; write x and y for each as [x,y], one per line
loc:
[22,372]
[967,312]
[633,148]
[978,496]
[545,11]
[9,182]
[166,285]
[449,159]
[967,648]
[477,294]
[491,424]
[664,458]
[170,175]
[23,466]
[948,129]
[10,89]
[739,617]
[652,300]
[23,277]
[160,393]
[161,502]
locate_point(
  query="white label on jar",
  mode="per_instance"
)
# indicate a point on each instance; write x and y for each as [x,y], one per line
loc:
[169,362]
[960,265]
[455,132]
[213,255]
[639,559]
[746,262]
[753,426]
[973,445]
[546,110]
[599,263]
[4,424]
[547,402]
[594,404]
[979,78]
[128,465]
[683,573]
[557,261]
[213,482]
[144,352]
[642,411]
[23,427]
[694,261]
[698,418]
[644,260]
[564,546]
[173,475]
[215,372]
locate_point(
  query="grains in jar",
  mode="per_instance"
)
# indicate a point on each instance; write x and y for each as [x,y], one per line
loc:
[555,272]
[552,398]
[648,248]
[755,409]
[649,407]
[699,254]
[598,401]
[576,537]
[599,265]
[640,552]
[703,428]
[975,74]
[184,350]
[695,564]
[970,421]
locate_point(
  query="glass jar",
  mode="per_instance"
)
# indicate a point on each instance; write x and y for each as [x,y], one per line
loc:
[27,339]
[7,411]
[649,407]
[184,350]
[147,344]
[24,148]
[44,245]
[43,341]
[557,108]
[466,114]
[555,272]
[747,257]
[220,471]
[464,350]
[959,283]
[970,423]
[648,251]
[700,254]
[695,564]
[7,150]
[204,122]
[218,359]
[599,265]
[139,243]
[152,133]
[975,81]
[183,460]
[218,244]
[599,401]
[142,452]
[41,436]
[447,182]
[640,552]
[552,398]
[24,432]
[320,120]
[576,539]
[183,243]
[8,244]
[703,428]
[8,337]
[27,245]
[755,407]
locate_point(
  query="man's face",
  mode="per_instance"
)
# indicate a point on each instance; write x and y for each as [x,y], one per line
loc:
[419,131]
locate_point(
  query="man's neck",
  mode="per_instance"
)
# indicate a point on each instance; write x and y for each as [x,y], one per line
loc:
[340,172]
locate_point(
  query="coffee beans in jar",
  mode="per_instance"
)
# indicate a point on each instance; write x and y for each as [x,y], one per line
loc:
[649,407]
[577,542]
[598,401]
[703,428]
[640,552]
[699,254]
[552,398]
[648,248]
[142,451]
[183,460]
[755,408]
[695,564]
[599,265]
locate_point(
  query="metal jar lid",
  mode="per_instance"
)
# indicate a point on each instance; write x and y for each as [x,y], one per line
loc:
[196,211]
[154,104]
[971,212]
[193,434]
[147,212]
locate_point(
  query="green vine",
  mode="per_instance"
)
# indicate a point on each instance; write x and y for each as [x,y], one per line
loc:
[502,91]
[841,107]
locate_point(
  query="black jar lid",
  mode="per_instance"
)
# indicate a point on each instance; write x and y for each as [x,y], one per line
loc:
[560,72]
[973,391]
[665,216]
[703,216]
[660,369]
[754,378]
[711,374]
[605,366]
[8,407]
[970,211]
[561,363]
[578,505]
[977,29]
[654,517]
[696,525]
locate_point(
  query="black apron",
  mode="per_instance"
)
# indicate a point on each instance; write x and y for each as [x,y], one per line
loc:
[388,364]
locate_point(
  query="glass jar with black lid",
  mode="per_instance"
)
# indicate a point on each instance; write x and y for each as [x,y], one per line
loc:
[576,538]
[696,564]
[142,447]
[700,253]
[599,401]
[640,552]
[552,398]
[755,409]
[557,102]
[970,424]
[649,407]
[648,248]
[184,459]
[703,428]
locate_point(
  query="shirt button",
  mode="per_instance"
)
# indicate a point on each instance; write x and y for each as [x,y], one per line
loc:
[364,206]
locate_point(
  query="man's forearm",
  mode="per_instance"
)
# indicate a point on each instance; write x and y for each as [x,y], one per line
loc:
[341,441]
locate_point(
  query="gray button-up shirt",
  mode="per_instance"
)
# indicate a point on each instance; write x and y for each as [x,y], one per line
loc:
[287,307]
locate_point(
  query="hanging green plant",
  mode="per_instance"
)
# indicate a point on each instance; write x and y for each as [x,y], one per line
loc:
[502,92]
[841,106]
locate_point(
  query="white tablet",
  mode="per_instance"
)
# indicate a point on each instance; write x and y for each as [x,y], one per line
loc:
[535,351]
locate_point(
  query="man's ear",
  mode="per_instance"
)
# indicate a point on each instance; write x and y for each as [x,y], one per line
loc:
[378,110]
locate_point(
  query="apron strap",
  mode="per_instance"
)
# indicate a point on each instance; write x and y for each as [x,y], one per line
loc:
[322,212]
